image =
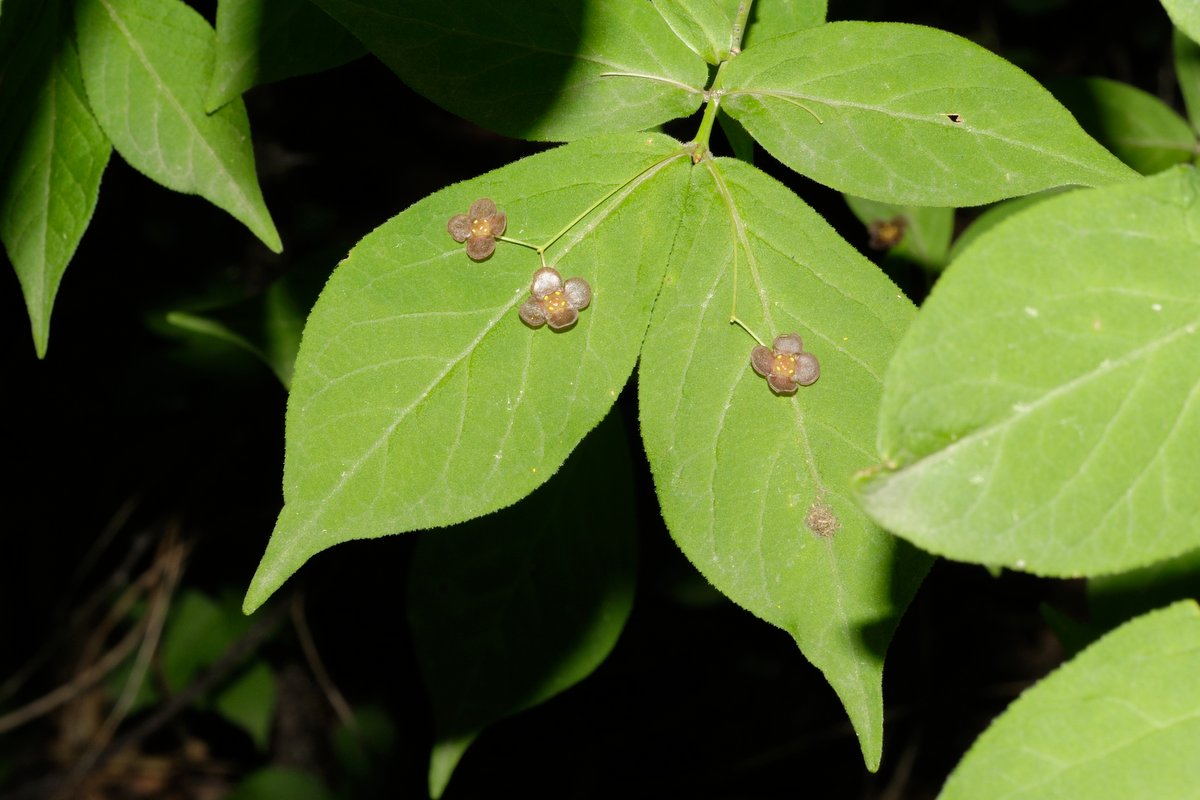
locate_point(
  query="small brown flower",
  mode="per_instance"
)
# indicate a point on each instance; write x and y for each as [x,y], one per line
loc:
[554,302]
[785,365]
[479,228]
[886,233]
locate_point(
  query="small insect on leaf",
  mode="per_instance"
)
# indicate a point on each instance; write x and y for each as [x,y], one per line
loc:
[554,302]
[479,228]
[785,365]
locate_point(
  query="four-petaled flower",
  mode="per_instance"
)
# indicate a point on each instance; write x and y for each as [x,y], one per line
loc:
[553,301]
[479,228]
[785,365]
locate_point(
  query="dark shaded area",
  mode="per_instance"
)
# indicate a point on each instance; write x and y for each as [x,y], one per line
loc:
[130,430]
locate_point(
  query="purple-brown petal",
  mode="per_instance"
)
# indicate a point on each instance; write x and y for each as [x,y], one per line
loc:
[480,247]
[789,343]
[545,281]
[459,227]
[497,222]
[578,293]
[532,313]
[562,318]
[482,207]
[808,369]
[762,359]
[782,384]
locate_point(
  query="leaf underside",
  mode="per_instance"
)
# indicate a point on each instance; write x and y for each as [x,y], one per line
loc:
[1043,412]
[754,486]
[420,398]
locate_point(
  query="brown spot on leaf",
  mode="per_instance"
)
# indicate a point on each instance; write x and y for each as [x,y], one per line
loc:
[821,520]
[955,118]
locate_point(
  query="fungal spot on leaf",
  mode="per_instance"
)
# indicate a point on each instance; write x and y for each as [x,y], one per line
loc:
[886,233]
[955,118]
[554,302]
[479,228]
[821,520]
[785,365]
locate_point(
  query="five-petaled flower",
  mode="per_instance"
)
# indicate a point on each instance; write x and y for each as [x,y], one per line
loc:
[553,301]
[785,365]
[479,228]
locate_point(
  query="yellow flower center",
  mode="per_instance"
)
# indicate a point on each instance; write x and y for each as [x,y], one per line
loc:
[481,226]
[554,302]
[785,365]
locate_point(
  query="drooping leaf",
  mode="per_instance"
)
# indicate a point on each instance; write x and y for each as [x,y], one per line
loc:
[922,234]
[1187,73]
[1120,720]
[705,26]
[754,486]
[1041,413]
[146,65]
[1136,126]
[420,398]
[548,69]
[50,186]
[773,18]
[1186,16]
[509,610]
[260,41]
[910,115]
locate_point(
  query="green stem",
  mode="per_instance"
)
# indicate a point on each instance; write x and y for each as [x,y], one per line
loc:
[739,27]
[510,240]
[736,321]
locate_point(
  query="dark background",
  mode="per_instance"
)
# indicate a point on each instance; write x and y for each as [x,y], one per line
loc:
[699,699]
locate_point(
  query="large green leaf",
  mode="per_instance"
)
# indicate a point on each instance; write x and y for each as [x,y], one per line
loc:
[546,69]
[705,26]
[772,18]
[1113,599]
[259,41]
[30,32]
[909,115]
[1187,72]
[1186,16]
[50,187]
[924,233]
[509,610]
[754,486]
[1042,413]
[1121,720]
[420,398]
[1141,130]
[146,65]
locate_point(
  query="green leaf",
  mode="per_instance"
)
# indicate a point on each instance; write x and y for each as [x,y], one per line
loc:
[146,65]
[1121,720]
[1187,72]
[1186,16]
[420,398]
[1041,414]
[705,26]
[909,115]
[754,486]
[770,19]
[510,610]
[30,37]
[994,215]
[741,142]
[547,70]
[924,232]
[1136,126]
[50,186]
[250,701]
[1113,599]
[198,631]
[260,41]
[281,783]
[369,745]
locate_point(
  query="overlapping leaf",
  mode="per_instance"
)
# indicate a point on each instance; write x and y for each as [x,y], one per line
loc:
[705,26]
[1120,720]
[549,70]
[754,486]
[509,610]
[1187,72]
[921,234]
[50,185]
[1043,412]
[772,18]
[1186,16]
[259,41]
[420,398]
[146,65]
[911,115]
[1141,130]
